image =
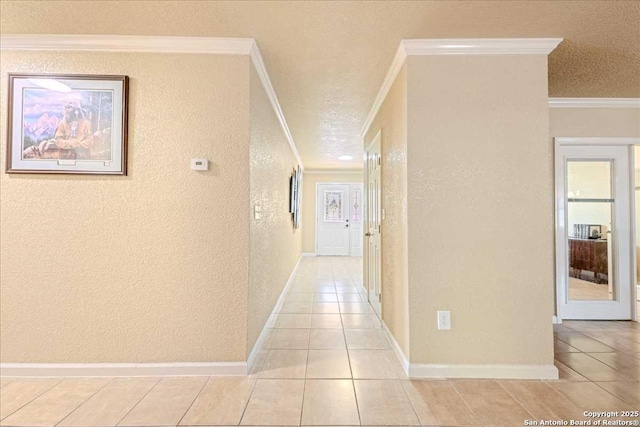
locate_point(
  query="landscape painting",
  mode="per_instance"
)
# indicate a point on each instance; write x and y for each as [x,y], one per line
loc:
[67,124]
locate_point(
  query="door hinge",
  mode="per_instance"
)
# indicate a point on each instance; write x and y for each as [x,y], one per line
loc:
[379,297]
[379,232]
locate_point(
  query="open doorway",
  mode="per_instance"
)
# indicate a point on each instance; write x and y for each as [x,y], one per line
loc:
[596,229]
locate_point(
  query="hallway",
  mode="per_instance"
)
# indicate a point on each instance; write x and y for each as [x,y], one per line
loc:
[326,361]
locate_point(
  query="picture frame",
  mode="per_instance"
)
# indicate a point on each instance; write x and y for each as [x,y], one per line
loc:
[292,192]
[297,215]
[67,124]
[595,231]
[295,196]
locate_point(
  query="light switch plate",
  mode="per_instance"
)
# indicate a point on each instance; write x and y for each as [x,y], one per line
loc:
[199,164]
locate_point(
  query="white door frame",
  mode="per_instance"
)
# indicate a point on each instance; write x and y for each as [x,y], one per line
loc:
[316,215]
[561,259]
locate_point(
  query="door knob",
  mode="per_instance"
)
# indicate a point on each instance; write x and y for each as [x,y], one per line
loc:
[368,234]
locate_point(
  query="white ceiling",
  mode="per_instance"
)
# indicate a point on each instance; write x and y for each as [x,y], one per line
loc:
[327,60]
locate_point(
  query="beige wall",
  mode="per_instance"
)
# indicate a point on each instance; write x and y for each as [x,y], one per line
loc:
[594,122]
[310,179]
[149,267]
[391,119]
[275,246]
[479,209]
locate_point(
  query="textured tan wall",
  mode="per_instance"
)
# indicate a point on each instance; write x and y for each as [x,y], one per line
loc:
[480,209]
[309,203]
[593,122]
[392,120]
[151,267]
[275,246]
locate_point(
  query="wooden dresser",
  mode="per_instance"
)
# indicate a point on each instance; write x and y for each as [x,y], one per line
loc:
[588,255]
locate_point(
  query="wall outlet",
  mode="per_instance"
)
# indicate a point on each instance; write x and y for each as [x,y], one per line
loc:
[444,320]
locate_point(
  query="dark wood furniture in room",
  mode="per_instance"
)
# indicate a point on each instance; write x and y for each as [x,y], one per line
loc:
[588,255]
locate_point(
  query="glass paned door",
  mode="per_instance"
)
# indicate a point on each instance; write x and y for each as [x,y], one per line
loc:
[590,207]
[593,232]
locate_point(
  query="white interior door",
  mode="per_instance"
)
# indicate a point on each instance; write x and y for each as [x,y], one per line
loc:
[373,263]
[594,233]
[355,219]
[332,204]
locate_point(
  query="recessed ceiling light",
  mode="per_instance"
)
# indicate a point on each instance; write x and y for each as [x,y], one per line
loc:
[346,157]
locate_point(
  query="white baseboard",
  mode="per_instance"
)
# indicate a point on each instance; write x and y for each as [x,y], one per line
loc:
[522,372]
[123,369]
[146,369]
[432,370]
[305,254]
[555,320]
[396,348]
[272,317]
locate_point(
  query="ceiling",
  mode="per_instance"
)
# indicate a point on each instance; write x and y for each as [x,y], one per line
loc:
[327,60]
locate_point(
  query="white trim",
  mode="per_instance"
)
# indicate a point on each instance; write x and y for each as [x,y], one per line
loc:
[56,370]
[396,348]
[414,47]
[595,141]
[523,372]
[556,320]
[270,320]
[506,46]
[594,102]
[389,79]
[309,254]
[334,171]
[155,44]
[113,43]
[258,63]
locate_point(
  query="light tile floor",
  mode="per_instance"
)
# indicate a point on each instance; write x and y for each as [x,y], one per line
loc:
[326,361]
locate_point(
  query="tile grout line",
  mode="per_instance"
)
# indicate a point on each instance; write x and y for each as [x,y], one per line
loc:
[463,400]
[518,401]
[89,398]
[37,397]
[244,411]
[140,400]
[611,394]
[353,384]
[353,381]
[194,400]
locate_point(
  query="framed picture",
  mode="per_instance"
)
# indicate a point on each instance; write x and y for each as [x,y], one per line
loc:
[295,196]
[595,231]
[292,193]
[67,124]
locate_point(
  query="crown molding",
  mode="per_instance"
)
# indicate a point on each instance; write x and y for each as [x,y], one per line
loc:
[479,46]
[418,47]
[155,44]
[258,63]
[113,43]
[394,70]
[594,102]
